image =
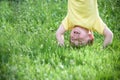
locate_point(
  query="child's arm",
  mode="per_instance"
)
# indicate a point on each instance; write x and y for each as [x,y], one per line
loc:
[60,35]
[108,37]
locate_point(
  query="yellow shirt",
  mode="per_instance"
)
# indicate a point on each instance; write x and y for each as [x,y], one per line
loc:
[83,13]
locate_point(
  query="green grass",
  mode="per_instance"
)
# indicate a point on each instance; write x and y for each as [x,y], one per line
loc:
[29,51]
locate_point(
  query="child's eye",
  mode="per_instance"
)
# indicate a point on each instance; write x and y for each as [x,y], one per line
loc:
[75,32]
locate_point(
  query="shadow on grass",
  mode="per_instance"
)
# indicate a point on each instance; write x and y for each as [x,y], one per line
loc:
[4,58]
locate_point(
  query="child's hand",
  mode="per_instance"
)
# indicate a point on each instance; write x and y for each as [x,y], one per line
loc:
[60,35]
[60,43]
[60,40]
[108,37]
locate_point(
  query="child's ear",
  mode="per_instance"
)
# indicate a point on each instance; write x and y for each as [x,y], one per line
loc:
[91,38]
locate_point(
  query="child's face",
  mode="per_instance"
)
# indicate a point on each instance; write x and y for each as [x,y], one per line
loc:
[79,36]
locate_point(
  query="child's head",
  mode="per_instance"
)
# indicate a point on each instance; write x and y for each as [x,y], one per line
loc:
[80,36]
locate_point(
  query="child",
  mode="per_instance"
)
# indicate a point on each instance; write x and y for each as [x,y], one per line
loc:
[83,18]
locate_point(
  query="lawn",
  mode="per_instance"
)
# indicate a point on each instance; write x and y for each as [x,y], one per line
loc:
[29,50]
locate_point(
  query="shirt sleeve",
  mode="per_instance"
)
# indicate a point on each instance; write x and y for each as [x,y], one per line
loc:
[99,26]
[67,23]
